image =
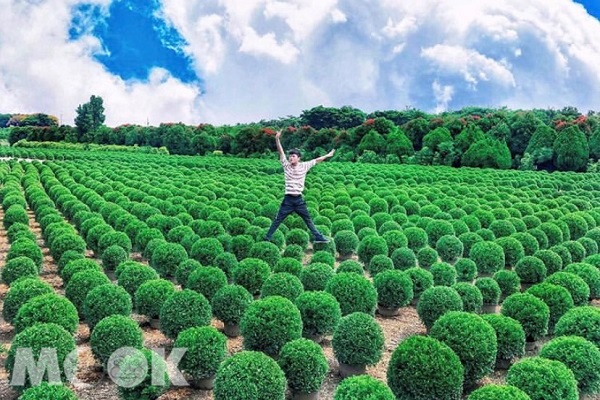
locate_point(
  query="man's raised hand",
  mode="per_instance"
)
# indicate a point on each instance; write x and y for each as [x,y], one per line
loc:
[330,154]
[278,134]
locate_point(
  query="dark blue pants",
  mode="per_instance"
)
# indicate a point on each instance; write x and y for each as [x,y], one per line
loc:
[289,205]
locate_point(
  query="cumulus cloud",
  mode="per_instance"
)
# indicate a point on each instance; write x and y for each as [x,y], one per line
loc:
[260,59]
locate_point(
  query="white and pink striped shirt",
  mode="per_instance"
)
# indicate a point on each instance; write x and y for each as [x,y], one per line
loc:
[295,175]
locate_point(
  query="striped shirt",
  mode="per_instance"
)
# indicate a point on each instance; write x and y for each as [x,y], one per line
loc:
[295,175]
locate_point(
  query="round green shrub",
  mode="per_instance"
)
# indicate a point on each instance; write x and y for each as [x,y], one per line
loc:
[67,257]
[152,384]
[230,302]
[66,242]
[48,391]
[304,365]
[577,287]
[205,250]
[362,387]
[20,292]
[404,258]
[182,310]
[427,256]
[251,273]
[530,269]
[226,262]
[417,238]
[282,284]
[353,292]
[508,281]
[79,265]
[551,260]
[320,313]
[468,239]
[26,248]
[371,246]
[580,321]
[589,273]
[470,295]
[502,228]
[323,256]
[206,349]
[590,246]
[513,250]
[490,290]
[394,289]
[498,392]
[16,213]
[576,250]
[270,323]
[184,269]
[265,251]
[471,338]
[380,263]
[531,312]
[167,257]
[443,273]
[424,368]
[553,232]
[134,275]
[449,248]
[289,265]
[540,236]
[249,375]
[466,270]
[293,251]
[528,241]
[421,279]
[563,253]
[47,308]
[350,266]
[19,267]
[557,298]
[488,257]
[19,230]
[113,256]
[358,340]
[510,336]
[37,338]
[315,276]
[581,356]
[105,300]
[543,379]
[435,302]
[112,333]
[151,295]
[81,284]
[593,259]
[206,281]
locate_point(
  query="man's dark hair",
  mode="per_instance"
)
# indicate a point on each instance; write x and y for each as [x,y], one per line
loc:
[296,152]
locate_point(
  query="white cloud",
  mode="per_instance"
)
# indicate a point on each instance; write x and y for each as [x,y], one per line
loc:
[267,58]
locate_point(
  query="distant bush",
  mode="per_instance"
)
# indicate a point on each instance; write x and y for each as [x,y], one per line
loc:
[184,309]
[435,302]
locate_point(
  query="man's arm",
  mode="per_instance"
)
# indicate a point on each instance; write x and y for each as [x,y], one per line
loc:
[325,157]
[279,147]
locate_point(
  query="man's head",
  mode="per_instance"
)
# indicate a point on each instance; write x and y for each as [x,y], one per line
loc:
[294,156]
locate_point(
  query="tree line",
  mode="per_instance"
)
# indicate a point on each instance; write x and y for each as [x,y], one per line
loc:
[549,139]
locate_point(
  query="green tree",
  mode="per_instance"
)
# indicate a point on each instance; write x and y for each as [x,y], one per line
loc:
[372,141]
[399,144]
[571,150]
[328,117]
[499,132]
[487,153]
[595,144]
[470,135]
[90,117]
[541,144]
[436,137]
[522,126]
[416,129]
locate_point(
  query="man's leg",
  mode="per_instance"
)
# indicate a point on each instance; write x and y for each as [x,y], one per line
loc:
[285,209]
[302,211]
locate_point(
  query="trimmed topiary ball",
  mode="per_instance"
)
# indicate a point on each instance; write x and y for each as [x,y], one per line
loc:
[144,365]
[151,295]
[205,250]
[346,243]
[557,298]
[304,365]
[581,356]
[531,270]
[184,309]
[371,246]
[265,251]
[350,266]
[106,300]
[133,275]
[206,280]
[380,263]
[315,276]
[466,270]
[362,387]
[270,323]
[320,313]
[490,290]
[113,333]
[590,274]
[394,289]
[78,265]
[575,249]
[19,267]
[323,256]
[472,339]
[48,391]
[249,375]
[206,349]
[427,257]
[551,260]
[404,258]
[425,368]
[510,336]
[449,248]
[470,295]
[443,273]
[532,313]
[422,280]
[47,308]
[113,256]
[358,340]
[20,292]
[251,273]
[488,257]
[543,379]
[354,293]
[417,238]
[577,287]
[183,271]
[37,338]
[435,302]
[282,284]
[468,239]
[293,251]
[81,284]
[498,392]
[289,265]
[230,302]
[580,321]
[167,257]
[26,248]
[508,281]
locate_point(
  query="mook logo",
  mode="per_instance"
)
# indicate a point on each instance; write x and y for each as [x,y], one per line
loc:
[127,367]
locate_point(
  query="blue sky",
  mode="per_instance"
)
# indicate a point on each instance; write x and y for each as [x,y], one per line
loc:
[228,61]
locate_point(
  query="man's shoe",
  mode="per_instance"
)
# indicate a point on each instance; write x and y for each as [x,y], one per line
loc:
[321,239]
